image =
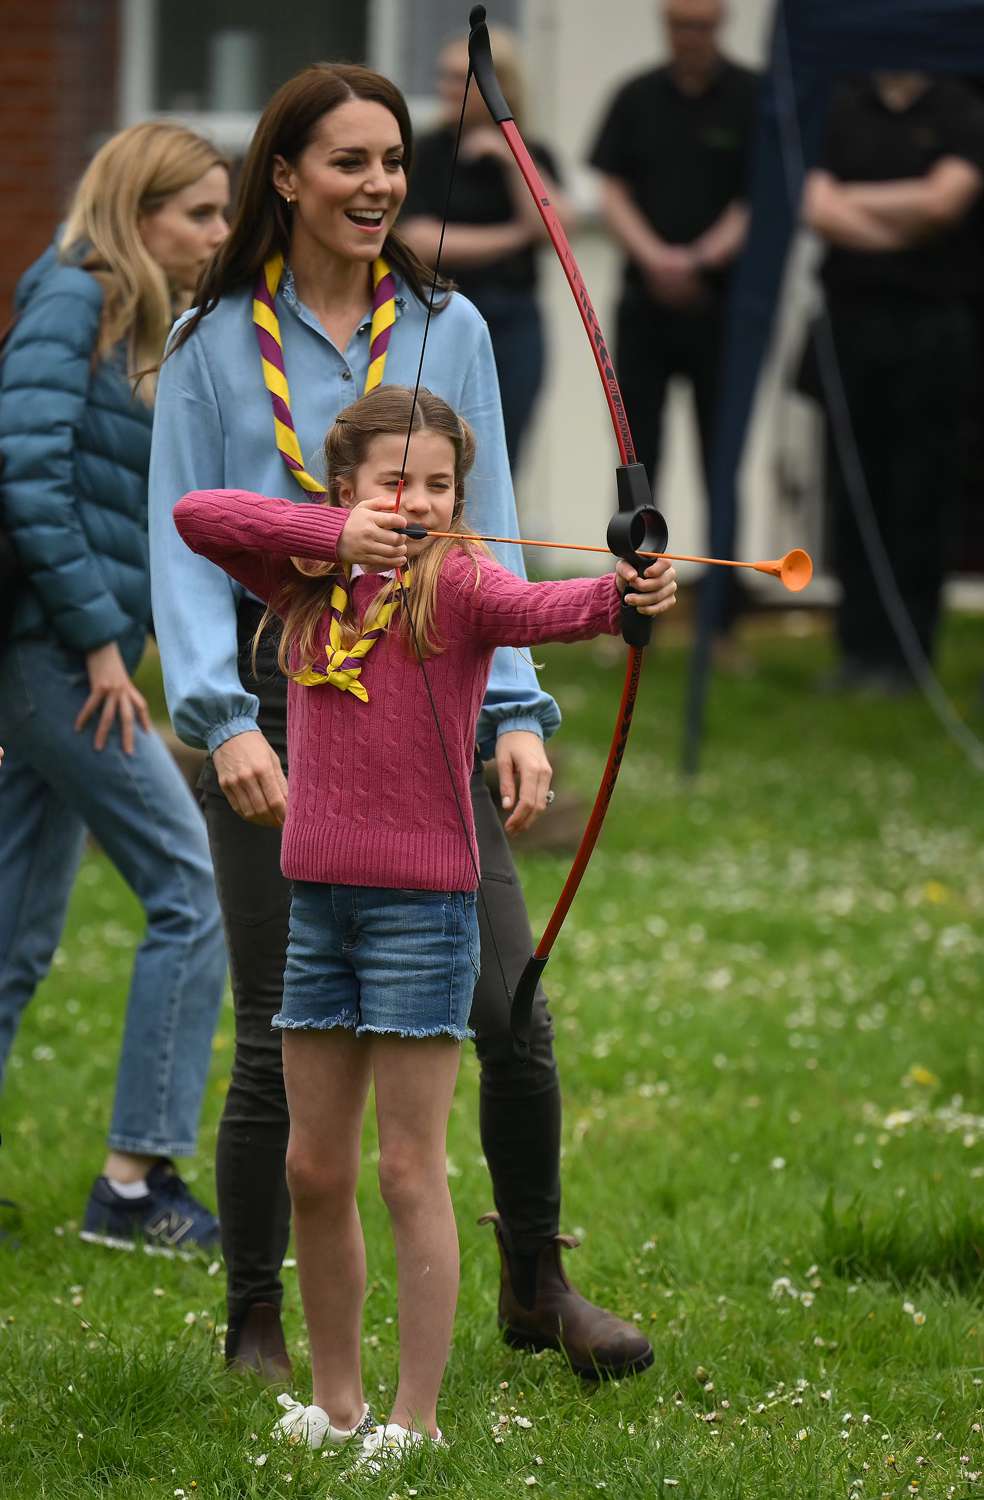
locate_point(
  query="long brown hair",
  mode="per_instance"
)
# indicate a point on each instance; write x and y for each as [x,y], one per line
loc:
[261,225]
[132,174]
[304,599]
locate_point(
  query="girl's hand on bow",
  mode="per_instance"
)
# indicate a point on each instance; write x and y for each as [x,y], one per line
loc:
[370,536]
[652,592]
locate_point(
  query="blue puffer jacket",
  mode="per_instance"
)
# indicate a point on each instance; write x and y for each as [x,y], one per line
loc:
[76,449]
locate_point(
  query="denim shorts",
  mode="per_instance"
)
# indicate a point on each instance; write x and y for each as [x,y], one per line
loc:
[374,959]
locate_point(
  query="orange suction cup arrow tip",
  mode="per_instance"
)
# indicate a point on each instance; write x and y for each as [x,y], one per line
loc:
[794,570]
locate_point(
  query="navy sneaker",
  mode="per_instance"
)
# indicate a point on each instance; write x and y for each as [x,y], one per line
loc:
[167,1220]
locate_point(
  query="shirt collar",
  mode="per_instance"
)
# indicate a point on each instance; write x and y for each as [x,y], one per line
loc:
[288,290]
[357,571]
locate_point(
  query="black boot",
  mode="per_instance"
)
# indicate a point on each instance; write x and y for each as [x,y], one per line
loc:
[256,1346]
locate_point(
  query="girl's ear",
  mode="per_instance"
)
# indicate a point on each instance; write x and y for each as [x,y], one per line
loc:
[345,493]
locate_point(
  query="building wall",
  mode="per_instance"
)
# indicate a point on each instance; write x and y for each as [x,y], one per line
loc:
[58,73]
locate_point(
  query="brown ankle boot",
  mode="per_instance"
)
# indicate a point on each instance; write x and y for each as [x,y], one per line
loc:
[539,1309]
[257,1346]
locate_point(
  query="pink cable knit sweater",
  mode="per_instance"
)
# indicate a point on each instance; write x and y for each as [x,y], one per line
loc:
[370,800]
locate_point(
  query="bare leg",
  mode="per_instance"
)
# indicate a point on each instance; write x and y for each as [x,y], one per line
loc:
[327,1079]
[414,1079]
[127,1166]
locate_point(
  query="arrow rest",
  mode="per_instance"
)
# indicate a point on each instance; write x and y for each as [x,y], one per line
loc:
[636,526]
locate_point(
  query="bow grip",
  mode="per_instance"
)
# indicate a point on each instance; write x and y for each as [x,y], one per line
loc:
[636,526]
[483,68]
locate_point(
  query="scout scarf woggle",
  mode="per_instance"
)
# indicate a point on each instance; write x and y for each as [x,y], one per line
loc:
[344,664]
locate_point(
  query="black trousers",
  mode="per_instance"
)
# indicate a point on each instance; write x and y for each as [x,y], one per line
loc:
[906,365]
[519,1108]
[654,343]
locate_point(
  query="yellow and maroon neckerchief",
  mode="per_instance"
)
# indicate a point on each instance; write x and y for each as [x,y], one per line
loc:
[343,664]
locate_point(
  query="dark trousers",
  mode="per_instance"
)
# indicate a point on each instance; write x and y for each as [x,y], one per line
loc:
[519,1109]
[516,331]
[906,366]
[654,343]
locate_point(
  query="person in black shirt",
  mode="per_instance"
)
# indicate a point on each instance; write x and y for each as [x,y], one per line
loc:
[672,151]
[494,228]
[897,203]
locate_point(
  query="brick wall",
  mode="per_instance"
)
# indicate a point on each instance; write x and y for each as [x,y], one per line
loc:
[58,92]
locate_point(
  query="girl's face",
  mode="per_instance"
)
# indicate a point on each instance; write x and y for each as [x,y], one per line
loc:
[348,183]
[185,232]
[428,480]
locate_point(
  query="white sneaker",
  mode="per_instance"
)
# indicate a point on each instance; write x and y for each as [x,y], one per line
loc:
[388,1445]
[311,1425]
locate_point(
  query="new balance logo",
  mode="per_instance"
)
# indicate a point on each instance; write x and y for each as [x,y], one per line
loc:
[169,1226]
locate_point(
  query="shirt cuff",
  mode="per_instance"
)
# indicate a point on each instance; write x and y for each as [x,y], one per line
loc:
[222,732]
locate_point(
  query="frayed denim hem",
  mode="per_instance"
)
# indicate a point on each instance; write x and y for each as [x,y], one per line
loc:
[456,1033]
[336,1023]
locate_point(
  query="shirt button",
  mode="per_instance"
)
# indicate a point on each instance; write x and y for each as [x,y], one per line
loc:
[346,374]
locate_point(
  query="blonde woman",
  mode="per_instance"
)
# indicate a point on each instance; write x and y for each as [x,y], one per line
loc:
[494,228]
[80,753]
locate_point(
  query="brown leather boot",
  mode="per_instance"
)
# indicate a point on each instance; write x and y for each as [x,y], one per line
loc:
[539,1309]
[257,1346]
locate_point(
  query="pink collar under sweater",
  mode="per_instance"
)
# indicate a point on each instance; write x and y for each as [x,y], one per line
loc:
[371,801]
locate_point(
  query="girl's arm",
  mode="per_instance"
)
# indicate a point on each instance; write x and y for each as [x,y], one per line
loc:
[502,610]
[253,537]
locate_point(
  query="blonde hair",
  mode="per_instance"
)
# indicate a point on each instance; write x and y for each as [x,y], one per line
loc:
[508,68]
[304,599]
[132,175]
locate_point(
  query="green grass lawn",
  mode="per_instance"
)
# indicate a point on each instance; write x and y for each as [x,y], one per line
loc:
[769,1002]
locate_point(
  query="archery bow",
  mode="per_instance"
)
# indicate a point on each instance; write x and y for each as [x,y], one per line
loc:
[636,526]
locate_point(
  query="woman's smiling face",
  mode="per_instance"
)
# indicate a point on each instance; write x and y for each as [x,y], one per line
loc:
[349,182]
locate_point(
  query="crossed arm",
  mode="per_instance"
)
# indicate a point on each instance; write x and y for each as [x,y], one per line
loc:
[880,216]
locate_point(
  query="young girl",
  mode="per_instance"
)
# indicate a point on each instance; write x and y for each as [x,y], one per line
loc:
[379,843]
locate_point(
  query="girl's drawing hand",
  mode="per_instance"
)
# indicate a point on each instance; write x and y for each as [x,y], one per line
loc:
[369,536]
[652,592]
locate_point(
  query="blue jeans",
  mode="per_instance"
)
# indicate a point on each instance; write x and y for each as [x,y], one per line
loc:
[53,786]
[376,959]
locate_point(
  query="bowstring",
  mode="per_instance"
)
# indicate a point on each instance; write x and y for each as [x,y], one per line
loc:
[401,585]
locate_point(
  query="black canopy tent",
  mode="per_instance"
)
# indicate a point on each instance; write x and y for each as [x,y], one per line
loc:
[813,41]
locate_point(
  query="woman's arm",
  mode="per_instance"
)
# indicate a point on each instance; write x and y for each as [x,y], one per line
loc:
[194,601]
[47,369]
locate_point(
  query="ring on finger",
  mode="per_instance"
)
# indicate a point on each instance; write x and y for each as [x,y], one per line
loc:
[550,796]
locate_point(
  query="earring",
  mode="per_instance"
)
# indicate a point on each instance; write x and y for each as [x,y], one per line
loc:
[288,202]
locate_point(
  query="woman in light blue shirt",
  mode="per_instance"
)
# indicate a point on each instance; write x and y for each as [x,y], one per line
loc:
[322,184]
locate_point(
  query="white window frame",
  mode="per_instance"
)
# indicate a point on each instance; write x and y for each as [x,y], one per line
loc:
[231,132]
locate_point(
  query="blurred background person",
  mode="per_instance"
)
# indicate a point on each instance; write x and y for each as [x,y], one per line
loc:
[494,228]
[897,204]
[75,442]
[673,151]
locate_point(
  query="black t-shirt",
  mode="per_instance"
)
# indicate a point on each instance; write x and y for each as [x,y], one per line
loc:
[480,195]
[683,157]
[868,142]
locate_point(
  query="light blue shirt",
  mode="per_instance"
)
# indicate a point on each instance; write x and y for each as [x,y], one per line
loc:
[213,429]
